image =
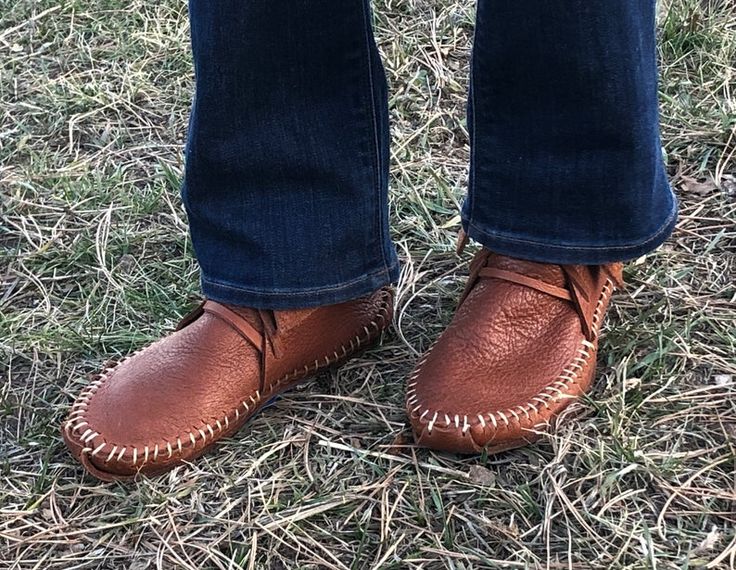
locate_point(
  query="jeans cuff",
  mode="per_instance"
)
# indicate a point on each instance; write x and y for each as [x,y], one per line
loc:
[287,299]
[549,251]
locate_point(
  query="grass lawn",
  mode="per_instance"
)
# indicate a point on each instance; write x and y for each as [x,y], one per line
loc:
[95,262]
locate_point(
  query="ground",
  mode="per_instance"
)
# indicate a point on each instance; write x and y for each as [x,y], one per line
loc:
[95,262]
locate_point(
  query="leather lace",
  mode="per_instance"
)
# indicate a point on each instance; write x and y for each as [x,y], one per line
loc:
[264,340]
[580,281]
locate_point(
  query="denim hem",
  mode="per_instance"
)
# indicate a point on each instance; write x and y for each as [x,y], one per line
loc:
[582,254]
[285,299]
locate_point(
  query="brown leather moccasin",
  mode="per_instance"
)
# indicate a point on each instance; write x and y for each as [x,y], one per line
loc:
[169,402]
[521,346]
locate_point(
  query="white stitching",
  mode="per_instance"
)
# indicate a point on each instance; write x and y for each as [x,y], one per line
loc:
[431,423]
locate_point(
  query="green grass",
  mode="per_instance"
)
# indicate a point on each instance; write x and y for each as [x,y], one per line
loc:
[96,262]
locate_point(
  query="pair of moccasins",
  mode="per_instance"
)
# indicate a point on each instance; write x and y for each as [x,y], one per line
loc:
[521,346]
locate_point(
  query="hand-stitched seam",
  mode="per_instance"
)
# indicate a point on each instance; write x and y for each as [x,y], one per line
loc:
[569,375]
[79,408]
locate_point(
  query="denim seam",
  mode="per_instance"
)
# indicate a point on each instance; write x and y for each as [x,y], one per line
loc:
[473,135]
[285,293]
[376,147]
[653,237]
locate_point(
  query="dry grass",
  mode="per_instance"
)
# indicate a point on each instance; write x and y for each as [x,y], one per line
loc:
[96,262]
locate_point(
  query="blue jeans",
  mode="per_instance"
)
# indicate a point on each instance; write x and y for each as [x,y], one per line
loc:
[287,157]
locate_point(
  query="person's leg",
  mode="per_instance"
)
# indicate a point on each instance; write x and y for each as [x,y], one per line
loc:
[286,175]
[566,181]
[287,157]
[566,159]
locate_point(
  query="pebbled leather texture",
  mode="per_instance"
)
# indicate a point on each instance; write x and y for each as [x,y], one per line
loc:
[169,402]
[521,346]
